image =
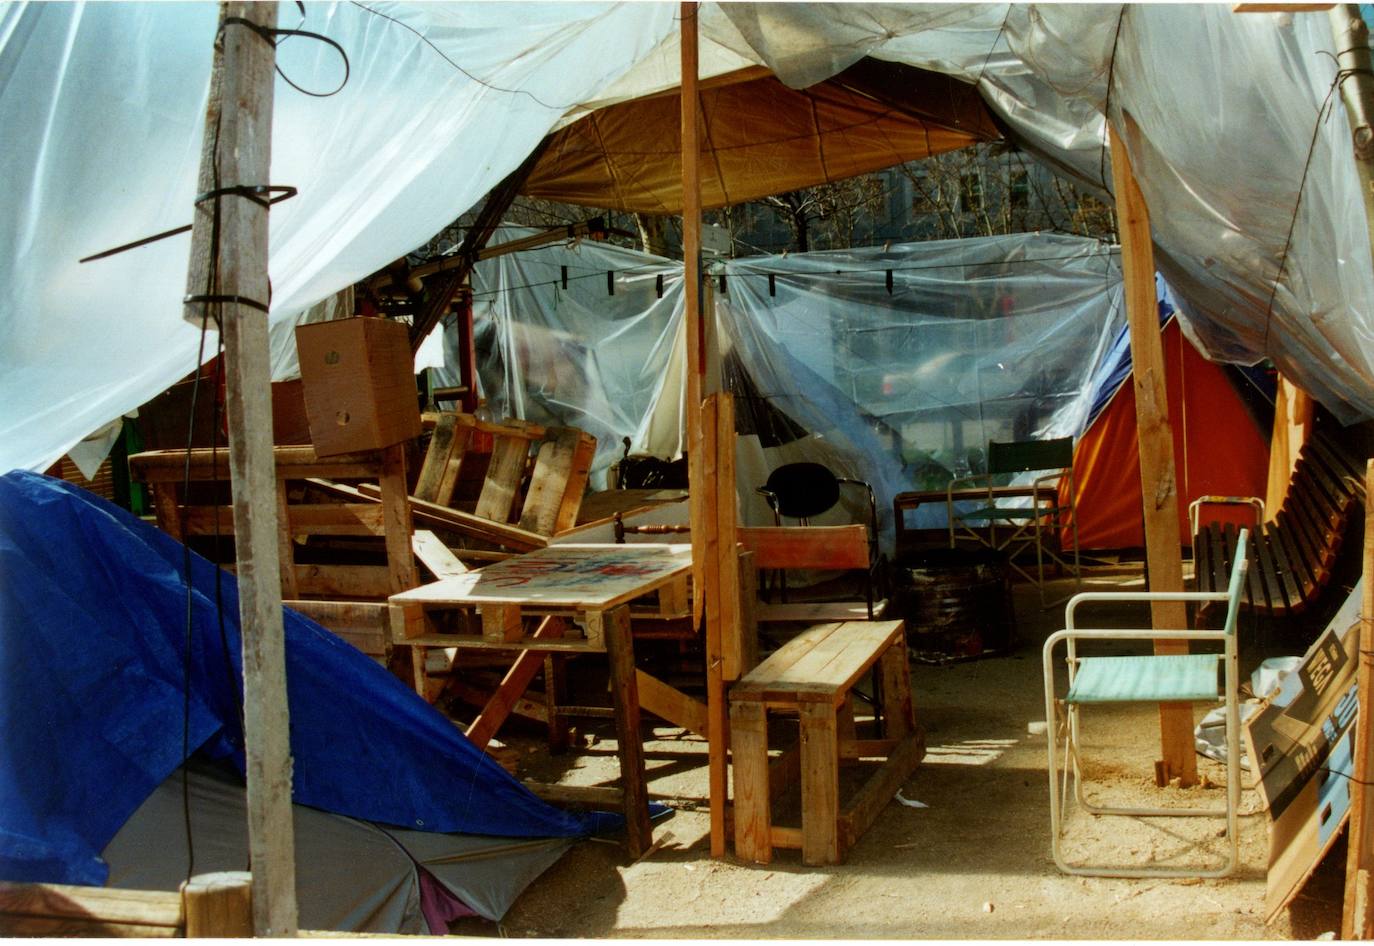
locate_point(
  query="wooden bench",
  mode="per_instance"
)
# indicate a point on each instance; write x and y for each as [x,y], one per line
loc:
[1293,557]
[819,548]
[347,594]
[812,676]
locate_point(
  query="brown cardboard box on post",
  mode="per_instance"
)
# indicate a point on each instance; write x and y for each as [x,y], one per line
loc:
[359,381]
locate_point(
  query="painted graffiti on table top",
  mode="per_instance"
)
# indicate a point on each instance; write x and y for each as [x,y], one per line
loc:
[596,567]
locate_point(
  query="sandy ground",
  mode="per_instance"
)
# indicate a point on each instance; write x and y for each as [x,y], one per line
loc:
[974,864]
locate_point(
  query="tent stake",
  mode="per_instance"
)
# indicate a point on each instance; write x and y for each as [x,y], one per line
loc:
[1158,485]
[236,151]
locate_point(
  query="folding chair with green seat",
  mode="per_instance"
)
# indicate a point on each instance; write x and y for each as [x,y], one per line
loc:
[1037,523]
[1166,678]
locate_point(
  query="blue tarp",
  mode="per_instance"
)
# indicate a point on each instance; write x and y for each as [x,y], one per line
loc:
[1115,366]
[93,632]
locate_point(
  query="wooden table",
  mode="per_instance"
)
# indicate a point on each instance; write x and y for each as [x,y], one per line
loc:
[902,503]
[589,584]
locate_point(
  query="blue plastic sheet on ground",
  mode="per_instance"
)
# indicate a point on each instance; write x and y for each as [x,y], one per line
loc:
[93,634]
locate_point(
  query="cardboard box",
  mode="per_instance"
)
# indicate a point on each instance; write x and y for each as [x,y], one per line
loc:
[359,380]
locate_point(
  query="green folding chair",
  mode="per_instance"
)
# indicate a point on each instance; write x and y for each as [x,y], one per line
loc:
[1167,678]
[1038,522]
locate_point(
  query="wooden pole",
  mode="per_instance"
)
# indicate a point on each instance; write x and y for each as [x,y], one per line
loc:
[218,906]
[1357,90]
[233,262]
[1357,918]
[708,464]
[1158,485]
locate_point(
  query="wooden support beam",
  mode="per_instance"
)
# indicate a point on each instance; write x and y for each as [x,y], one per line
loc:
[513,686]
[1158,484]
[219,905]
[440,291]
[1357,917]
[229,259]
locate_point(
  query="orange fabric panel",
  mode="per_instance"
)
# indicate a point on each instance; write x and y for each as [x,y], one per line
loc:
[759,138]
[1218,450]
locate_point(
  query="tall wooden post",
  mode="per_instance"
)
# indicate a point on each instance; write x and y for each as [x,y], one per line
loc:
[1357,919]
[1357,91]
[711,460]
[1158,484]
[232,262]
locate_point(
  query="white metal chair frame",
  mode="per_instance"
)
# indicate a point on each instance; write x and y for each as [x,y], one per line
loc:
[1070,729]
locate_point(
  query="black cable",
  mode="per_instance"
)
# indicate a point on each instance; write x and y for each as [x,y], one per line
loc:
[1323,113]
[270,34]
[495,88]
[879,269]
[1107,102]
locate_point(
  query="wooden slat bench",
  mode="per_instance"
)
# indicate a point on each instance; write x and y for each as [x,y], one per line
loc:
[1293,557]
[812,676]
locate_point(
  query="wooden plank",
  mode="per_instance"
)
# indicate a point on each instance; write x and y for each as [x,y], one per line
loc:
[219,905]
[396,519]
[749,751]
[552,478]
[286,546]
[555,694]
[625,698]
[818,547]
[569,511]
[335,519]
[473,526]
[513,685]
[293,462]
[894,676]
[509,457]
[1326,512]
[1273,585]
[813,612]
[749,617]
[820,780]
[436,463]
[1357,919]
[168,510]
[435,555]
[343,581]
[820,664]
[1158,480]
[473,642]
[724,640]
[236,149]
[1305,576]
[873,797]
[595,795]
[77,910]
[344,615]
[501,622]
[671,704]
[1282,568]
[784,771]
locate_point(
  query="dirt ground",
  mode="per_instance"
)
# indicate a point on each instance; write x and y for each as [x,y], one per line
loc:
[974,863]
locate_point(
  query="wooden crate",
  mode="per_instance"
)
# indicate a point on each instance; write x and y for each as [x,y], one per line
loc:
[359,381]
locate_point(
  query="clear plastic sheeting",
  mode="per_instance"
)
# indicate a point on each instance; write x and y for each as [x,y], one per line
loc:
[576,355]
[977,340]
[104,109]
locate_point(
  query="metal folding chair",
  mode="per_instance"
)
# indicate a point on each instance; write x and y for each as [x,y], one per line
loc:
[1037,522]
[1166,678]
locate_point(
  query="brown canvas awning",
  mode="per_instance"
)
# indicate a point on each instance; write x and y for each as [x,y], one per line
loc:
[760,138]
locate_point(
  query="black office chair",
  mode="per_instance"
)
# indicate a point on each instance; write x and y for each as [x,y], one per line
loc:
[802,490]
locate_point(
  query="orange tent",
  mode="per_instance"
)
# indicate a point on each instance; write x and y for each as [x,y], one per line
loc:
[1219,449]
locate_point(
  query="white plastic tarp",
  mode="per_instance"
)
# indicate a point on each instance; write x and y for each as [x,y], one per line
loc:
[577,355]
[1240,144]
[995,338]
[977,340]
[104,105]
